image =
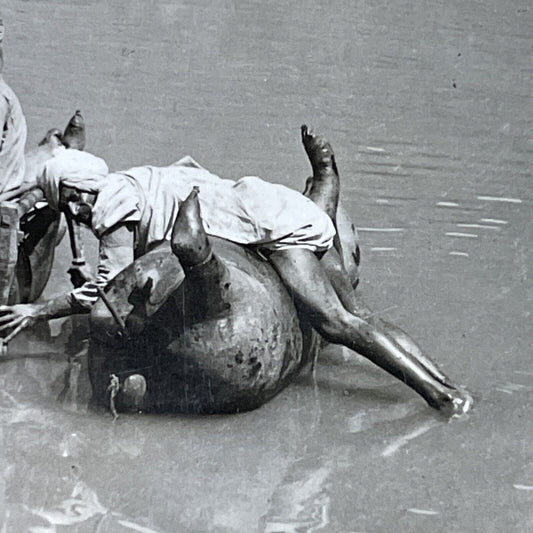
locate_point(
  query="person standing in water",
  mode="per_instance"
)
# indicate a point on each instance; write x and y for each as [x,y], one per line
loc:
[15,170]
[19,195]
[132,211]
[13,131]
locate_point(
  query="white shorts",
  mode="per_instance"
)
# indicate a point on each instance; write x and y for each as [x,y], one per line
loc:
[284,218]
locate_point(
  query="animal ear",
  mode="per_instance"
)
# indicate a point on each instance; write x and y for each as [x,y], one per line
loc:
[58,135]
[54,135]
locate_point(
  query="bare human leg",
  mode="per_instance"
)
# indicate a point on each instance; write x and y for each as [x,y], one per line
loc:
[403,339]
[304,276]
[353,303]
[323,188]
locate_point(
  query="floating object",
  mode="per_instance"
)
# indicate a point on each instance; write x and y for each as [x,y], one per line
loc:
[205,328]
[226,340]
[221,335]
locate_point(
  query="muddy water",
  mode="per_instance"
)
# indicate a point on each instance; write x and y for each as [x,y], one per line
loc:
[428,105]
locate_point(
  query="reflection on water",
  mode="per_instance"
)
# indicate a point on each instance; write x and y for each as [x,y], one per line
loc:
[427,105]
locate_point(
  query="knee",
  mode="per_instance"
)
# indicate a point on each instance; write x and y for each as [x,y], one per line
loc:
[342,327]
[333,324]
[336,268]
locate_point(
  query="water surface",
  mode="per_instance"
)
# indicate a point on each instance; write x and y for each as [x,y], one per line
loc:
[428,106]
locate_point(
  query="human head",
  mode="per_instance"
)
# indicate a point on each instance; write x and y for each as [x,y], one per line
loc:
[78,204]
[75,169]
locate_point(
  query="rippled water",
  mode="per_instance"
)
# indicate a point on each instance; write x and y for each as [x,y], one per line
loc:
[428,105]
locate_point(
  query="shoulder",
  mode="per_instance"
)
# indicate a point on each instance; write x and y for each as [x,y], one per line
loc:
[76,162]
[9,102]
[4,107]
[4,96]
[7,93]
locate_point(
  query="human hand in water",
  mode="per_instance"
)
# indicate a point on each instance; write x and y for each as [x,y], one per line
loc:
[17,317]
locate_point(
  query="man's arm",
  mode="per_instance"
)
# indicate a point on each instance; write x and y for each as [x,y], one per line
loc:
[20,316]
[115,253]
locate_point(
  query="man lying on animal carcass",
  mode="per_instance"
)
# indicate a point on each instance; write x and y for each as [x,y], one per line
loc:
[131,211]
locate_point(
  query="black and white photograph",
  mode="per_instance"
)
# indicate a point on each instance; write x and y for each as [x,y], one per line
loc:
[265,267]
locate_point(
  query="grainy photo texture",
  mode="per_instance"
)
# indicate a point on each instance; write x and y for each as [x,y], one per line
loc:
[265,266]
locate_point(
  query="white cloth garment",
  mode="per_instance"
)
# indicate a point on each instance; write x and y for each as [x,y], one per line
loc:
[248,211]
[12,140]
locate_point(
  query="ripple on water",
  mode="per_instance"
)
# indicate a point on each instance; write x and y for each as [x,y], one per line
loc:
[502,199]
[215,69]
[461,235]
[476,226]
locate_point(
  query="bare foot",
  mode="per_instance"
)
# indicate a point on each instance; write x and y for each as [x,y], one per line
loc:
[74,135]
[323,188]
[189,240]
[457,404]
[319,151]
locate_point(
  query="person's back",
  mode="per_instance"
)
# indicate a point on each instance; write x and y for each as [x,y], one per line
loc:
[13,133]
[162,189]
[246,211]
